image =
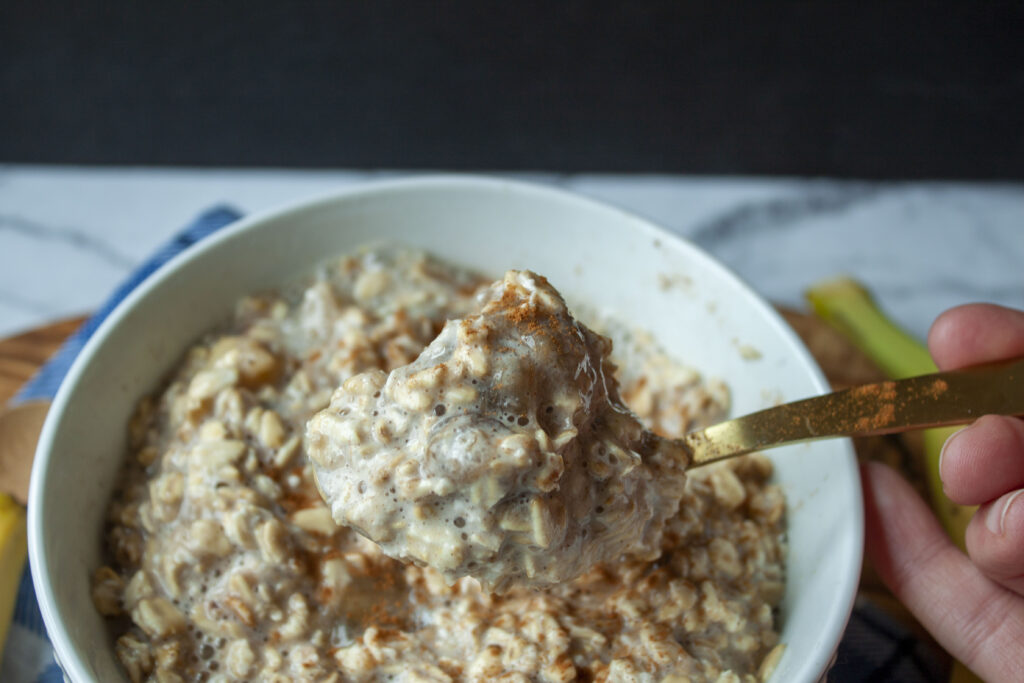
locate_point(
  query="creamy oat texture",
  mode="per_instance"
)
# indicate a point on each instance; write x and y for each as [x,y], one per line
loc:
[503,452]
[224,563]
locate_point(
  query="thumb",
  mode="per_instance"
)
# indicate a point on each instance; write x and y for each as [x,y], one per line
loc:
[978,621]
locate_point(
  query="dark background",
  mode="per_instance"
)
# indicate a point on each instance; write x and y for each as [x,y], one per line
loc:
[870,90]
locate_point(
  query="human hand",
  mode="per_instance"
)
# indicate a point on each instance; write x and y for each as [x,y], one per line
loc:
[973,606]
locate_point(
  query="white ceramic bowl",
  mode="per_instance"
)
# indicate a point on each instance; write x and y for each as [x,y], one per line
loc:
[593,253]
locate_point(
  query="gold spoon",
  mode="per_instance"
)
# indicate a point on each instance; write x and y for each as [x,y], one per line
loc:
[944,398]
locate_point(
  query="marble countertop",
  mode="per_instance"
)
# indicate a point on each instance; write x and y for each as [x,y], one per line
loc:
[69,235]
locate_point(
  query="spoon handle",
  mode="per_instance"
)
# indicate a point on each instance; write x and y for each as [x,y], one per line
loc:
[943,398]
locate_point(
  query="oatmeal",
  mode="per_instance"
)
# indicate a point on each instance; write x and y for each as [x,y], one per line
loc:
[225,564]
[503,452]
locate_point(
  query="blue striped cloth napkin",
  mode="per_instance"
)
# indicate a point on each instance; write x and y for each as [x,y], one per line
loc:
[874,647]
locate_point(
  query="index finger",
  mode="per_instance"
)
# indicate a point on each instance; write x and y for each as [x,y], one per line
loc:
[976,333]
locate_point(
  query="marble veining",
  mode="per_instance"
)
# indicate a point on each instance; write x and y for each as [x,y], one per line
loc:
[814,201]
[69,235]
[79,239]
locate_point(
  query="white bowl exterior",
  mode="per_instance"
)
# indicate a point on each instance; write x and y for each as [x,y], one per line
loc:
[591,252]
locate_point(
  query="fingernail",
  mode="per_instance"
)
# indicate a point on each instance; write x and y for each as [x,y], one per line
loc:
[995,520]
[945,447]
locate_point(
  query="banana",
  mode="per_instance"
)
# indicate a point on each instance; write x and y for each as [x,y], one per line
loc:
[12,559]
[848,307]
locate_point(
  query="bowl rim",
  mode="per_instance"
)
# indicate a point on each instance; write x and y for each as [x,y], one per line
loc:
[71,661]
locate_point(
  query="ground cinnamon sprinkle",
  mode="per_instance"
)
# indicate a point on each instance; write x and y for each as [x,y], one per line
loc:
[883,391]
[878,401]
[528,315]
[291,501]
[886,414]
[937,388]
[881,419]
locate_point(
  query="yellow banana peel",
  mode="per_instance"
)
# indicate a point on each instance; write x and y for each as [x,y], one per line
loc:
[12,559]
[848,307]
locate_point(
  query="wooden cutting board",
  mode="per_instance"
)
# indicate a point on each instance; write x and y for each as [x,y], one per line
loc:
[22,355]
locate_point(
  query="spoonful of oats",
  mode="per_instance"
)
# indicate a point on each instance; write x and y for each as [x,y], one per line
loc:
[504,451]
